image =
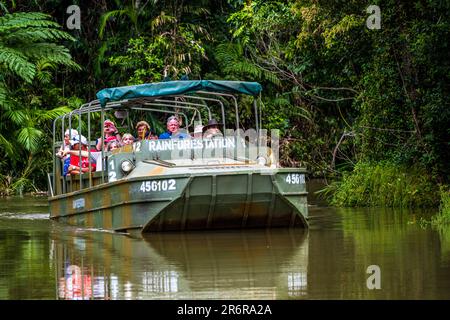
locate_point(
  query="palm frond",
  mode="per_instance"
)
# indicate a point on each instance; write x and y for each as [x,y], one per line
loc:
[162,20]
[29,138]
[232,60]
[7,146]
[17,116]
[105,17]
[100,57]
[43,71]
[195,10]
[45,115]
[22,184]
[3,7]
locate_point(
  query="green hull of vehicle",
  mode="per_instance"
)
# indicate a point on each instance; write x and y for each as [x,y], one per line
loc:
[200,201]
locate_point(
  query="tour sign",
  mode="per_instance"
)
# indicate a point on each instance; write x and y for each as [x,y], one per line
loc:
[187,144]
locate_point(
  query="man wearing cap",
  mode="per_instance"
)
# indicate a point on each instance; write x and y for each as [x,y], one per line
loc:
[79,142]
[110,131]
[173,130]
[212,130]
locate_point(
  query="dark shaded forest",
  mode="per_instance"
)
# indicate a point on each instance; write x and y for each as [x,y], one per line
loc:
[360,97]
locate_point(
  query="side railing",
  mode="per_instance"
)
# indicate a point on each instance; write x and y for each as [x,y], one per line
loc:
[60,184]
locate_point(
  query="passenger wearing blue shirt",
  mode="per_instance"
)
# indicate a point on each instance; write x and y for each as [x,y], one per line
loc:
[173,130]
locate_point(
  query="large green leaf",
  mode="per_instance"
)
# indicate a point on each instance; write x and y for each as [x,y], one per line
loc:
[29,138]
[28,37]
[7,146]
[17,63]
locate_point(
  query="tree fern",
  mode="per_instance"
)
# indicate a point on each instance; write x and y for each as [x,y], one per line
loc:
[26,38]
[232,60]
[17,63]
[3,95]
[35,34]
[29,51]
[22,20]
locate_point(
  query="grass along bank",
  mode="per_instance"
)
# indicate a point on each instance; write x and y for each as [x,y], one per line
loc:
[384,184]
[443,217]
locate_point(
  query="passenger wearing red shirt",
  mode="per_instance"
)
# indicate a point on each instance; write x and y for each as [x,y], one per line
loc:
[74,167]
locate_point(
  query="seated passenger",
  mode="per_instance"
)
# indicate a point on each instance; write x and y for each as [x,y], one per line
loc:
[79,142]
[198,132]
[66,143]
[66,162]
[96,157]
[211,130]
[109,131]
[173,130]
[144,132]
[127,139]
[110,140]
[113,145]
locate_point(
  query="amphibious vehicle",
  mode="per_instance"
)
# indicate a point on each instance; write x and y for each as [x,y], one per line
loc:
[230,181]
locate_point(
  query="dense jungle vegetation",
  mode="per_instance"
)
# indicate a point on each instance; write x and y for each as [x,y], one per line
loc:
[369,107]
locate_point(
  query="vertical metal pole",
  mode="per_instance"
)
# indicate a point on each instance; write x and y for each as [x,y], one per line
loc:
[54,155]
[89,146]
[63,120]
[255,105]
[70,132]
[260,111]
[70,123]
[102,119]
[226,95]
[79,150]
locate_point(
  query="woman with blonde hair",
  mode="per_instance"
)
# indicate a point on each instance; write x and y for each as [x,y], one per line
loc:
[144,132]
[127,139]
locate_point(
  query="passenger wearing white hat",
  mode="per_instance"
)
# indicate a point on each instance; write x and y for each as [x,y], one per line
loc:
[68,135]
[77,139]
[198,132]
[79,142]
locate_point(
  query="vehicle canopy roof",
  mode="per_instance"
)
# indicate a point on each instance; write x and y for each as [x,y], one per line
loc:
[170,88]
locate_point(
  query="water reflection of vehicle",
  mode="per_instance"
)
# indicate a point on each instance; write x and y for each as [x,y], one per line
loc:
[74,285]
[264,264]
[270,264]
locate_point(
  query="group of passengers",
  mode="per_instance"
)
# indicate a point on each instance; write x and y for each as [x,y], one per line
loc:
[74,142]
[70,152]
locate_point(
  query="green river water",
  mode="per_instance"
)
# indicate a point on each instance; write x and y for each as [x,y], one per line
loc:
[42,259]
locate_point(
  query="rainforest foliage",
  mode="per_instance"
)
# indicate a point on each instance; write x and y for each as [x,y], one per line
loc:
[344,96]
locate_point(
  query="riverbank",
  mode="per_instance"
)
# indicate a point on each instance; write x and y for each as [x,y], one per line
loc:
[384,184]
